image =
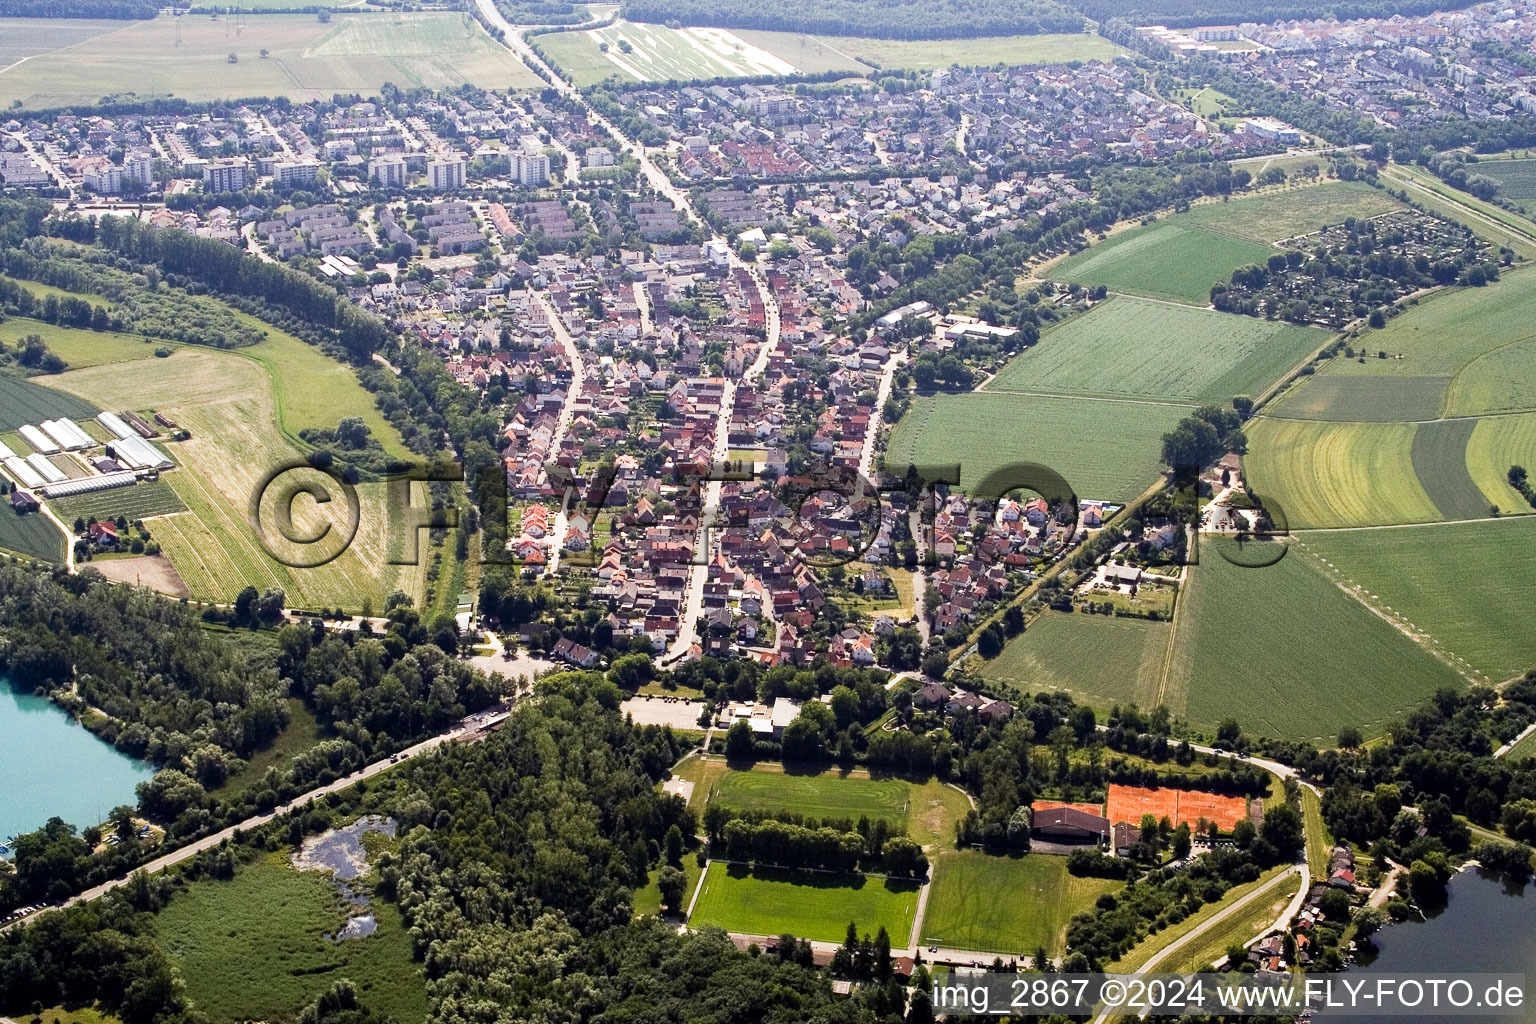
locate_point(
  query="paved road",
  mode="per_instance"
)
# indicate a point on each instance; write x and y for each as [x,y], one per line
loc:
[563,424]
[255,821]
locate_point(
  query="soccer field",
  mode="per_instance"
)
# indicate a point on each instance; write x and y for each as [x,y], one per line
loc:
[818,796]
[1009,905]
[808,904]
[306,59]
[1139,348]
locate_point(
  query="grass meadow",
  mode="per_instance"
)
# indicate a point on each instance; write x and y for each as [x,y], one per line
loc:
[1006,904]
[253,947]
[1135,348]
[1464,584]
[244,408]
[1105,449]
[658,54]
[77,347]
[1287,653]
[1497,443]
[809,904]
[929,54]
[1101,661]
[1181,256]
[188,57]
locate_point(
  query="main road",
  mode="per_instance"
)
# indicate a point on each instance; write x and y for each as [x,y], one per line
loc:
[563,424]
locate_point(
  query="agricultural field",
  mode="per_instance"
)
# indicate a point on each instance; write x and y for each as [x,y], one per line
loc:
[1101,661]
[143,500]
[244,408]
[1106,449]
[33,535]
[1323,474]
[188,57]
[654,53]
[1181,256]
[1493,223]
[928,54]
[1009,905]
[80,348]
[810,904]
[1439,454]
[24,38]
[1463,584]
[1516,178]
[1498,442]
[1337,396]
[255,946]
[1287,653]
[1136,348]
[22,401]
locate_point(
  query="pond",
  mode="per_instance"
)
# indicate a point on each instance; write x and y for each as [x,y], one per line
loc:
[340,852]
[53,766]
[1486,926]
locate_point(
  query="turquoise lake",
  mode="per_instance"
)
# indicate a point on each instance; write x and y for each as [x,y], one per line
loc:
[51,766]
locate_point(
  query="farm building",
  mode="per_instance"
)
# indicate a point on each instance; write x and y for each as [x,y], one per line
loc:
[113,422]
[137,453]
[38,440]
[5,452]
[23,503]
[1068,825]
[48,471]
[23,473]
[91,484]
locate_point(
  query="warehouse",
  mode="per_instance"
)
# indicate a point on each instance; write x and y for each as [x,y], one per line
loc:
[48,471]
[38,440]
[23,473]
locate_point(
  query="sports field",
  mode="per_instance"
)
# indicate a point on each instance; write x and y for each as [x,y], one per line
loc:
[1130,803]
[1105,449]
[808,904]
[1009,905]
[926,810]
[1140,348]
[1463,584]
[244,408]
[188,57]
[1181,256]
[654,53]
[928,54]
[1287,653]
[1101,661]
[24,401]
[1516,178]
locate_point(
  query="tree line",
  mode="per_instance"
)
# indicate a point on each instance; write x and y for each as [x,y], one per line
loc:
[884,19]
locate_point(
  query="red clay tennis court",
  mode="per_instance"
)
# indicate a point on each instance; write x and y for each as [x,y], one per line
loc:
[1129,803]
[1051,805]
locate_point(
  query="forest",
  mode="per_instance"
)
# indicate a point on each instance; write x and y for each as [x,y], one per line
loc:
[884,19]
[127,10]
[1190,13]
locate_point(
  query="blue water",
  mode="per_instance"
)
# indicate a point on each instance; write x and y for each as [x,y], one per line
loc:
[1485,927]
[51,766]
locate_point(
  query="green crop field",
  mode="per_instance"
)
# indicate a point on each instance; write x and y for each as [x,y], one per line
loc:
[1336,396]
[1181,256]
[812,905]
[22,38]
[1137,348]
[254,947]
[1172,259]
[1516,178]
[819,796]
[1323,474]
[656,54]
[25,401]
[1439,455]
[189,58]
[1105,449]
[928,54]
[33,535]
[1497,443]
[1463,584]
[1006,904]
[1287,653]
[1493,223]
[141,501]
[1101,661]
